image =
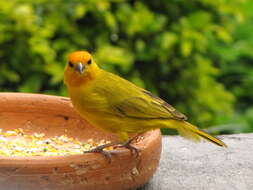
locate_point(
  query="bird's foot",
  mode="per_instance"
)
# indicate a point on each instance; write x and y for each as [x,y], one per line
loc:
[128,145]
[100,149]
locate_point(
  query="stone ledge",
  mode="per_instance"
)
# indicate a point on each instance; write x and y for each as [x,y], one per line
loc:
[203,166]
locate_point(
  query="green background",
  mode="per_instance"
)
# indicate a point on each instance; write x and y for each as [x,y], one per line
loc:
[195,54]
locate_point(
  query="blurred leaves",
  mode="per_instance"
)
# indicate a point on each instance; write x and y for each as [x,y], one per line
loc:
[194,54]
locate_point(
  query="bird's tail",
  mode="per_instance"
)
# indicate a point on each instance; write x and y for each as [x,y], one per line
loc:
[191,132]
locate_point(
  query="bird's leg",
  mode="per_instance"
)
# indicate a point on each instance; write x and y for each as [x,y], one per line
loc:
[100,149]
[128,145]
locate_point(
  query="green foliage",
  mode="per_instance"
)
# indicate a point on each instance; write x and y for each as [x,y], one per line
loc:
[184,51]
[235,60]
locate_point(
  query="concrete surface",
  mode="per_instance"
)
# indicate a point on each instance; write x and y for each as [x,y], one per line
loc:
[203,166]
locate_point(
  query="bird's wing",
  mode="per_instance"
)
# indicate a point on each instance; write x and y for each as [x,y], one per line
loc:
[168,107]
[125,99]
[147,106]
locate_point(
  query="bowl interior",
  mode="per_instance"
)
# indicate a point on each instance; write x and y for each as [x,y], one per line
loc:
[51,115]
[52,125]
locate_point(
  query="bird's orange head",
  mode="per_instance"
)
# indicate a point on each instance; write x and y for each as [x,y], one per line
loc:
[80,69]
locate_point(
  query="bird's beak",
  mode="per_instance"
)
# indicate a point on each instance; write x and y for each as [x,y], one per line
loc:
[80,68]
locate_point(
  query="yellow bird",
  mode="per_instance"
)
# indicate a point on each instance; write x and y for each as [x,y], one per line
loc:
[116,105]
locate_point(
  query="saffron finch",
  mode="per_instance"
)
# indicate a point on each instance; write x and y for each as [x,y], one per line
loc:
[116,105]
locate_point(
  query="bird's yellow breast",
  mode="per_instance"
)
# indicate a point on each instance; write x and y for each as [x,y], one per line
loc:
[94,108]
[92,103]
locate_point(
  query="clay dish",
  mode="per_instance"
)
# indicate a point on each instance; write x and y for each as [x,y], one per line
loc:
[55,116]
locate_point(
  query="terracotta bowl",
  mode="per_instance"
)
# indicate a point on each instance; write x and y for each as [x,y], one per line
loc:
[54,115]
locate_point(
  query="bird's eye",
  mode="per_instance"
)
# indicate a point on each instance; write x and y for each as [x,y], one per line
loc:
[71,64]
[89,62]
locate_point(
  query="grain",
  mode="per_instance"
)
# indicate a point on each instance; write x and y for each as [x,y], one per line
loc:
[17,143]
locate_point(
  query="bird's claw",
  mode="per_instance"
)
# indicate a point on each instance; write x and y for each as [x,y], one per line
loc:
[108,154]
[100,149]
[130,147]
